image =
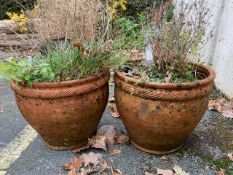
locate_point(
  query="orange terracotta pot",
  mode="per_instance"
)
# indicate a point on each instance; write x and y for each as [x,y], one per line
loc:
[64,114]
[160,116]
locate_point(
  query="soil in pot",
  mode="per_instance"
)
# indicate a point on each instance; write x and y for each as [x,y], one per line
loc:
[64,114]
[160,116]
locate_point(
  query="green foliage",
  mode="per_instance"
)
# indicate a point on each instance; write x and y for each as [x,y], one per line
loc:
[14,6]
[154,75]
[127,34]
[60,63]
[135,7]
[170,13]
[27,70]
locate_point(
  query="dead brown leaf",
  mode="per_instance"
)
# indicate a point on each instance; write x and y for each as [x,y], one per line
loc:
[92,158]
[221,172]
[74,164]
[113,108]
[117,172]
[99,142]
[115,151]
[223,106]
[165,159]
[179,171]
[146,173]
[82,172]
[230,155]
[109,132]
[120,138]
[77,165]
[106,137]
[164,172]
[104,165]
[214,105]
[87,171]
[72,172]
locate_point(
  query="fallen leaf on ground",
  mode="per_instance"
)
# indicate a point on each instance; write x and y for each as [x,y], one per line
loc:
[76,163]
[146,173]
[72,172]
[179,171]
[105,135]
[117,172]
[104,165]
[115,152]
[120,138]
[99,142]
[87,171]
[109,132]
[230,155]
[164,172]
[105,138]
[113,108]
[221,172]
[91,158]
[165,159]
[223,106]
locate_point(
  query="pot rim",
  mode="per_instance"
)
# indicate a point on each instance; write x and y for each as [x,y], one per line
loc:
[68,83]
[186,85]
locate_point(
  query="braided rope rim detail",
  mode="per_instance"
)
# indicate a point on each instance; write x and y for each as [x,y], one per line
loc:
[60,92]
[163,94]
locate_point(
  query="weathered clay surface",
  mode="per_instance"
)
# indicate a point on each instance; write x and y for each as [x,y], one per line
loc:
[159,116]
[64,114]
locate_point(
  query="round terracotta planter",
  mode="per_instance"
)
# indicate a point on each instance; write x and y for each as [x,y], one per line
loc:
[64,114]
[160,116]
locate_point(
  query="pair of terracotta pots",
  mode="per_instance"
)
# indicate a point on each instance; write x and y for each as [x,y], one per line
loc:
[157,116]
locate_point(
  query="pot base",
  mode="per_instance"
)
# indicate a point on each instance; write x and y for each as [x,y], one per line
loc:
[64,148]
[154,151]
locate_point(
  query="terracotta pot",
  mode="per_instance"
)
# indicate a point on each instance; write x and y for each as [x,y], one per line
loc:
[160,116]
[64,114]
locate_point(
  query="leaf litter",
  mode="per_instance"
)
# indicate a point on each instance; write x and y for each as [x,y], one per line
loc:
[225,107]
[164,172]
[83,165]
[105,138]
[175,171]
[113,109]
[86,164]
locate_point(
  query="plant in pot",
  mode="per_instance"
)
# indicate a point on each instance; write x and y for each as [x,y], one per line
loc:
[162,99]
[62,92]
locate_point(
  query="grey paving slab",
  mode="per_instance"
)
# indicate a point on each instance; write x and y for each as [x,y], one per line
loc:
[11,121]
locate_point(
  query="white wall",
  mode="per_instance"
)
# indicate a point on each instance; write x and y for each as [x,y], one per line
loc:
[218,52]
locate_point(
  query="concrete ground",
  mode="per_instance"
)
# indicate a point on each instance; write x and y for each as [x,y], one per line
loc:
[205,151]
